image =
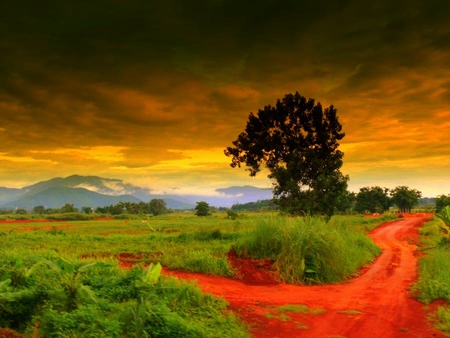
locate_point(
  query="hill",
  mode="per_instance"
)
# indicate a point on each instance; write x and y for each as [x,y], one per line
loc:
[97,191]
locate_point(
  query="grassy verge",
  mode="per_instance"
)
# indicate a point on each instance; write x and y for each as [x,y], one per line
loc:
[434,271]
[310,250]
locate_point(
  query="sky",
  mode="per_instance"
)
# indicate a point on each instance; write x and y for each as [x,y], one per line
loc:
[152,92]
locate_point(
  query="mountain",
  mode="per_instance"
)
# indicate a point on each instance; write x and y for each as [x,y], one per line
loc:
[56,197]
[104,186]
[9,194]
[97,191]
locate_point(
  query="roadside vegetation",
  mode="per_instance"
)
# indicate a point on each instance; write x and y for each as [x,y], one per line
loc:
[434,266]
[100,278]
[310,250]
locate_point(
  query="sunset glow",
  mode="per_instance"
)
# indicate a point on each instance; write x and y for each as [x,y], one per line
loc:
[152,92]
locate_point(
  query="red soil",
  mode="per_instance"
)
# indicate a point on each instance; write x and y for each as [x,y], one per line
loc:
[376,304]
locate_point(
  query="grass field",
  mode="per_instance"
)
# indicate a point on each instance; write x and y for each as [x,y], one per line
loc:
[56,275]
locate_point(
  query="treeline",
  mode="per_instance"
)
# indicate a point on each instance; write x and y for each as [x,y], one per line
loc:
[261,205]
[155,207]
[368,200]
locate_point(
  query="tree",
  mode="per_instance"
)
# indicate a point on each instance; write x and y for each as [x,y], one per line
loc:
[405,198]
[21,211]
[66,208]
[297,141]
[87,210]
[39,209]
[441,202]
[158,206]
[373,200]
[202,209]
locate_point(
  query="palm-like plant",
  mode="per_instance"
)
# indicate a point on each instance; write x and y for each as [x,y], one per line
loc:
[71,279]
[444,215]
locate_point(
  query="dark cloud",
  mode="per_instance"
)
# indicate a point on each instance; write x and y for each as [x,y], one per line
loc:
[147,76]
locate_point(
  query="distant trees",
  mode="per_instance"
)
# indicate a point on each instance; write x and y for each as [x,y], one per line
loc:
[202,209]
[372,199]
[21,211]
[297,141]
[66,208]
[261,205]
[158,206]
[405,198]
[39,209]
[441,202]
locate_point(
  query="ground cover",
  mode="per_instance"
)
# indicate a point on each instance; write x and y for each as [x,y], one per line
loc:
[179,242]
[378,303]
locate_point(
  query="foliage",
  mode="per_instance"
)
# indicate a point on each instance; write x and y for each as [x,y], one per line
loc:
[264,205]
[308,250]
[298,143]
[373,200]
[405,198]
[441,202]
[149,305]
[68,208]
[202,209]
[157,206]
[71,279]
[21,212]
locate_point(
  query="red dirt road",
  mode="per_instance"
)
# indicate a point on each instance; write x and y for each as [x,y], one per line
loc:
[377,304]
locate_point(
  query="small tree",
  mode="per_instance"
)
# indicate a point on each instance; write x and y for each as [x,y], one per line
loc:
[298,142]
[441,202]
[66,208]
[202,209]
[405,198]
[372,199]
[158,206]
[21,211]
[87,210]
[39,210]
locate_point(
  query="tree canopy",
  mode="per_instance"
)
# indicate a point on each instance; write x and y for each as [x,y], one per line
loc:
[405,198]
[441,202]
[372,199]
[158,206]
[202,209]
[298,142]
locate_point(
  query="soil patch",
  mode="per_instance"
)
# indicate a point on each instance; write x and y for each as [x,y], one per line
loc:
[253,271]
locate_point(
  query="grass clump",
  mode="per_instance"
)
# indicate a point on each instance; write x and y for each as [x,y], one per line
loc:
[308,250]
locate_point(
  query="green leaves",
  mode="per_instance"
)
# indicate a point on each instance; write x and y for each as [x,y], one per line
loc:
[150,276]
[76,291]
[444,215]
[298,142]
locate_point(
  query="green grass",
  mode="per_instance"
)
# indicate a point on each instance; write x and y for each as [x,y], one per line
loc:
[309,250]
[177,241]
[434,271]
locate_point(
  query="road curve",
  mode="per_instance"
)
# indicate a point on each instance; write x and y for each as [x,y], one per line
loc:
[376,304]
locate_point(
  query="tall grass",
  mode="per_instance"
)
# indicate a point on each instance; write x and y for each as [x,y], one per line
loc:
[434,270]
[308,250]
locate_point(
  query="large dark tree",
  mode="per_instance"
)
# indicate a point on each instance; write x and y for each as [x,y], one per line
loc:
[158,207]
[372,199]
[298,143]
[441,202]
[405,198]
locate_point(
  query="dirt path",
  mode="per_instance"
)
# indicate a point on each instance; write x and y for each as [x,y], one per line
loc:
[376,304]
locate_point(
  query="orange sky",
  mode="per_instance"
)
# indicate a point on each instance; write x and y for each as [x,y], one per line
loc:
[153,93]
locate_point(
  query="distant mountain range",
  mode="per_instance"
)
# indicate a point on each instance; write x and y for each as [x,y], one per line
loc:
[94,191]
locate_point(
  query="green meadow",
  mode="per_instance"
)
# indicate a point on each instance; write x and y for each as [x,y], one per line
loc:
[63,278]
